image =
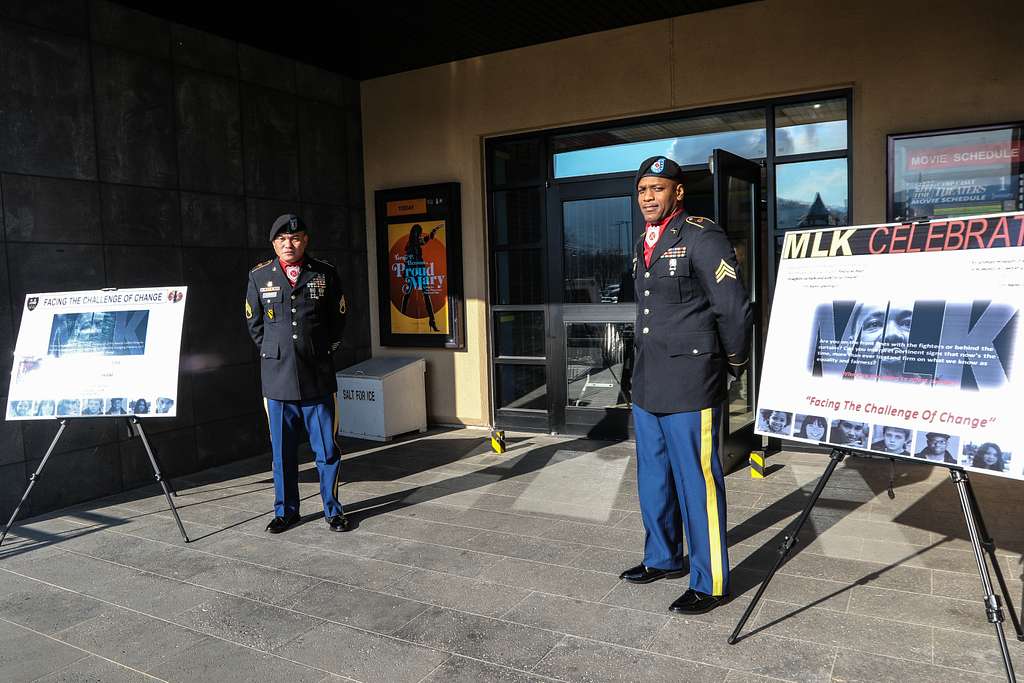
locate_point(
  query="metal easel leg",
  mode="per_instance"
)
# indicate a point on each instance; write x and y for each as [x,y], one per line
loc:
[35,477]
[993,607]
[159,477]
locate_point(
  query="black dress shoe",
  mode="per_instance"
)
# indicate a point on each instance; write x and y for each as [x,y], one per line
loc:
[279,524]
[695,602]
[644,574]
[339,523]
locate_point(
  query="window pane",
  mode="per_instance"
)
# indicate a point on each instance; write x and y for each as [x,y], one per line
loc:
[597,249]
[517,162]
[599,362]
[810,127]
[517,216]
[957,174]
[519,277]
[521,386]
[687,141]
[519,333]
[811,194]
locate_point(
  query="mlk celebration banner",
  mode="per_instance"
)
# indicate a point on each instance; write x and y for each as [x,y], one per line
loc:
[98,353]
[901,339]
[418,277]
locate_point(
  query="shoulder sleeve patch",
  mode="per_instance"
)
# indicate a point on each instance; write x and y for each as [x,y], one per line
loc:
[262,265]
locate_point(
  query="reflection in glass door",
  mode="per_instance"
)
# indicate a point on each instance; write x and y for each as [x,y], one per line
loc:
[594,229]
[738,211]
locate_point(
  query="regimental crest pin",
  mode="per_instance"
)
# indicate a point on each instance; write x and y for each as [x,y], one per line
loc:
[32,302]
[658,166]
[723,271]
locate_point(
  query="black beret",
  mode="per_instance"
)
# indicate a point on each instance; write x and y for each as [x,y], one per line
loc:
[288,223]
[659,166]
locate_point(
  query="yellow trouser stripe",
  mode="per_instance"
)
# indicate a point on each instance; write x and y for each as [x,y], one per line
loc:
[334,439]
[714,534]
[334,434]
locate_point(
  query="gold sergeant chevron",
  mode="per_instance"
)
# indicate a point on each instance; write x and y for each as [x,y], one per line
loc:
[723,271]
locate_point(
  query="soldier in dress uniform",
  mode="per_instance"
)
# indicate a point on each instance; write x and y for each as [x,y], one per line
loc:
[295,310]
[692,330]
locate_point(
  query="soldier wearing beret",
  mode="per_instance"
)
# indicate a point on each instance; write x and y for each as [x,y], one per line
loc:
[692,330]
[295,310]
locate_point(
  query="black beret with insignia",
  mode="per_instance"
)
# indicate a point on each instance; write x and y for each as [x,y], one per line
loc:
[287,223]
[659,166]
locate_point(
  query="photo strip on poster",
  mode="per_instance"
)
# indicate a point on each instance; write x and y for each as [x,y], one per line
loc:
[901,339]
[98,353]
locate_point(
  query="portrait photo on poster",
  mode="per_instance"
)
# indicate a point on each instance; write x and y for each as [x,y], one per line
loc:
[97,353]
[926,370]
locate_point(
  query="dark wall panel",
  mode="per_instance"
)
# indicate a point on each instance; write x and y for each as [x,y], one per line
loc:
[6,328]
[130,29]
[47,104]
[217,334]
[175,453]
[134,119]
[133,153]
[140,215]
[322,140]
[328,226]
[260,215]
[13,481]
[143,266]
[76,476]
[226,392]
[80,434]
[64,16]
[202,50]
[209,133]
[50,209]
[232,439]
[271,143]
[11,447]
[317,84]
[53,268]
[266,68]
[212,220]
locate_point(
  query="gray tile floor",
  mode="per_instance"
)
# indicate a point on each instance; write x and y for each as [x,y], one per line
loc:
[470,566]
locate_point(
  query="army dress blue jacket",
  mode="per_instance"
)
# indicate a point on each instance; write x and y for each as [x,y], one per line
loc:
[693,320]
[296,329]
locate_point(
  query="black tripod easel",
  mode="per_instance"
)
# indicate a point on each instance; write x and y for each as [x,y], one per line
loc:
[134,427]
[980,540]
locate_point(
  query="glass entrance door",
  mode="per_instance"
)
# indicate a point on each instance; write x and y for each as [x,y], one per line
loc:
[737,203]
[594,227]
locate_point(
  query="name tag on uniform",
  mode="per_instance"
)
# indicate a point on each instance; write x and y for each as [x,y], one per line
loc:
[270,293]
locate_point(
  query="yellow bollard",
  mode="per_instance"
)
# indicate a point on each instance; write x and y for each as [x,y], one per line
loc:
[757,464]
[498,444]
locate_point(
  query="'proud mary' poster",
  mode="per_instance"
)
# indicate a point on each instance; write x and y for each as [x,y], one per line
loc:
[902,339]
[97,353]
[418,278]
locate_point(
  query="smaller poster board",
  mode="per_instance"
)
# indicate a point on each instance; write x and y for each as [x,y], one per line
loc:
[98,353]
